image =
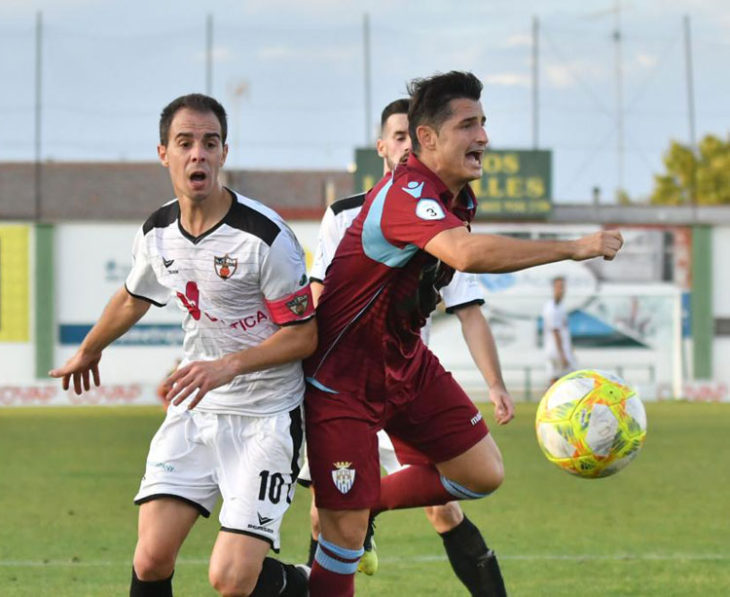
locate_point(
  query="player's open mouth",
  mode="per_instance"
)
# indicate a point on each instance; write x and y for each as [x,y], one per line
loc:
[198,176]
[475,156]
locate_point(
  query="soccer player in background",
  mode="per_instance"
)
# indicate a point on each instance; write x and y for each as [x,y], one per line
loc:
[234,425]
[556,334]
[473,562]
[371,370]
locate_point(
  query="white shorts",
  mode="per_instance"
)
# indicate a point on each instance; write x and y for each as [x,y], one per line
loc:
[386,451]
[252,462]
[555,367]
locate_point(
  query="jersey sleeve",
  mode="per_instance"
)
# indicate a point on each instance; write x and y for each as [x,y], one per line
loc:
[462,291]
[327,241]
[142,281]
[407,220]
[284,282]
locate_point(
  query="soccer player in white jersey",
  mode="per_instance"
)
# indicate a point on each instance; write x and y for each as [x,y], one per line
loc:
[473,562]
[556,331]
[234,424]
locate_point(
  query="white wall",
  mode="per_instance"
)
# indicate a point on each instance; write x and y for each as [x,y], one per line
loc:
[721,271]
[93,260]
[721,301]
[17,362]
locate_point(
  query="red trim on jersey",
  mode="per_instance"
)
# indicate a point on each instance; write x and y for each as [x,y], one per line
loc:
[294,307]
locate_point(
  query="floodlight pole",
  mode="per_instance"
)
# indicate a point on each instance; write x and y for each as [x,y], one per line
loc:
[38,166]
[619,99]
[535,83]
[690,105]
[209,55]
[690,80]
[366,73]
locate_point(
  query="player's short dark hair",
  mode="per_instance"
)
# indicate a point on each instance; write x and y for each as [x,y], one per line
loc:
[196,102]
[431,97]
[399,106]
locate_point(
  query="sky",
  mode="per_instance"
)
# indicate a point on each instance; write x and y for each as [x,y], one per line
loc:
[292,78]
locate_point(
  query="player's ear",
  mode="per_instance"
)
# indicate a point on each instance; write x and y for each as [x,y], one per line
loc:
[162,154]
[380,146]
[224,155]
[426,136]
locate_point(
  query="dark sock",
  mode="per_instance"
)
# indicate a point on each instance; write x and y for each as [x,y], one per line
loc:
[280,579]
[417,485]
[473,562]
[490,576]
[312,550]
[150,588]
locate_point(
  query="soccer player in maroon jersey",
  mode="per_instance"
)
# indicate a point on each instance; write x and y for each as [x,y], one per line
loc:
[371,370]
[472,561]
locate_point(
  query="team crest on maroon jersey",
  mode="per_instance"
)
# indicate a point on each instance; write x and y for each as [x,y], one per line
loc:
[343,476]
[298,305]
[225,266]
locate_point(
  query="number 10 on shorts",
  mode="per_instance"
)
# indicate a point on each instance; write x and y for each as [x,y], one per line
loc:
[272,485]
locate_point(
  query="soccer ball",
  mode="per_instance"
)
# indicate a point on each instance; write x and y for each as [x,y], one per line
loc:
[590,423]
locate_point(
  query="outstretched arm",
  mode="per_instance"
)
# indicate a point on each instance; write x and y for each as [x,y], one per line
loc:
[483,349]
[288,343]
[121,313]
[479,253]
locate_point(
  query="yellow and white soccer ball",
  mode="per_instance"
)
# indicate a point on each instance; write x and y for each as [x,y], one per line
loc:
[590,423]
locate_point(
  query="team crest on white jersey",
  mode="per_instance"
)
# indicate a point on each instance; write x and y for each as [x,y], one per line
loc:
[343,476]
[225,266]
[298,305]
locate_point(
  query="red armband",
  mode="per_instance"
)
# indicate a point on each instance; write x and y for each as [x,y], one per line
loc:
[297,306]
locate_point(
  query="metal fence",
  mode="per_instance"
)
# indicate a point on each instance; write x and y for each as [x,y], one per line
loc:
[304,82]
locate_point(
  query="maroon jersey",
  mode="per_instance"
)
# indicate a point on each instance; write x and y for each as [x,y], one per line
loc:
[381,286]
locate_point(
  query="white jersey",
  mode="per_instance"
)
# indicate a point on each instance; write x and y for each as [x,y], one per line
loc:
[237,284]
[555,318]
[463,290]
[336,220]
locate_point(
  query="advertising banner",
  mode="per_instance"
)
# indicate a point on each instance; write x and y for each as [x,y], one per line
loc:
[14,283]
[515,183]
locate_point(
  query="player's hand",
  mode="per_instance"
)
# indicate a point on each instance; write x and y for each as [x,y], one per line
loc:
[80,367]
[504,408]
[605,243]
[162,389]
[164,386]
[202,376]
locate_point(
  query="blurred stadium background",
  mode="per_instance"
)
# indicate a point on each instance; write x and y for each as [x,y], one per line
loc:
[612,115]
[77,174]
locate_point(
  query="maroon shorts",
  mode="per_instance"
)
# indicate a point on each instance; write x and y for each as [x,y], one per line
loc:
[439,423]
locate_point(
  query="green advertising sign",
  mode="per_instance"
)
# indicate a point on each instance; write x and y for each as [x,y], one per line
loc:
[368,168]
[514,183]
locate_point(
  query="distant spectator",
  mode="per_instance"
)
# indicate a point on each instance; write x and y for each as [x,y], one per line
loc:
[558,346]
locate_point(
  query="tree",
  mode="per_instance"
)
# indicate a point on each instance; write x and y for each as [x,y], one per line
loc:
[703,176]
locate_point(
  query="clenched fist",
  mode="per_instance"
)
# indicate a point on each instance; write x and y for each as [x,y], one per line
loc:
[605,243]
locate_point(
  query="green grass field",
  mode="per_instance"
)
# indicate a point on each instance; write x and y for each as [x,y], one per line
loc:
[660,527]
